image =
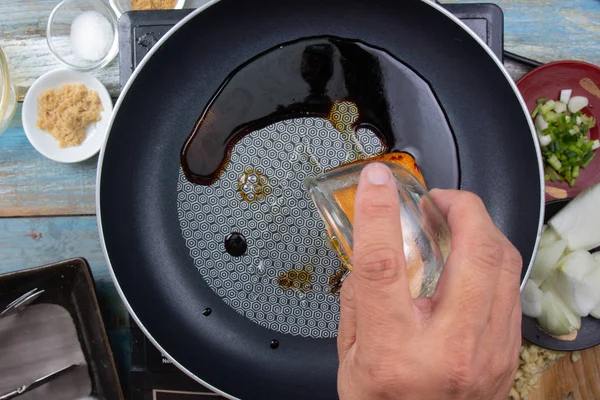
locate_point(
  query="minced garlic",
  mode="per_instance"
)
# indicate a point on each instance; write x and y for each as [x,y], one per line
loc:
[533,362]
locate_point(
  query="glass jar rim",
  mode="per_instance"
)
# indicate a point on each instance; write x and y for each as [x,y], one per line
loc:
[5,87]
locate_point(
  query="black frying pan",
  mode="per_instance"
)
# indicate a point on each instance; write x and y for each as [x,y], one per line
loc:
[140,168]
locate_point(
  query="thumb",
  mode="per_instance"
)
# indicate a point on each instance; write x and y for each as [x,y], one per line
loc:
[380,284]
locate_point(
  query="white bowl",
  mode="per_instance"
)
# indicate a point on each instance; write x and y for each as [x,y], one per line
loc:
[43,141]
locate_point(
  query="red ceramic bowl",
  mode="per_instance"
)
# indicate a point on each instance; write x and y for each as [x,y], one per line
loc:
[547,81]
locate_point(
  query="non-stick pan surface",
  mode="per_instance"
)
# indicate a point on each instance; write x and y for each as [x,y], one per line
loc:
[140,168]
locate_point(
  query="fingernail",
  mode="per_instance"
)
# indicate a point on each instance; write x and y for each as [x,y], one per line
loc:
[378,174]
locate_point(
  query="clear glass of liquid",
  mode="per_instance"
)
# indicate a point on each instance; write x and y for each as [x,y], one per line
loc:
[425,232]
[8,96]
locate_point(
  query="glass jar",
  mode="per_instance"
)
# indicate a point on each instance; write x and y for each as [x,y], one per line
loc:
[8,96]
[425,232]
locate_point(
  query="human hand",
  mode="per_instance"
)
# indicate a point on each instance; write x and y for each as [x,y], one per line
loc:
[464,342]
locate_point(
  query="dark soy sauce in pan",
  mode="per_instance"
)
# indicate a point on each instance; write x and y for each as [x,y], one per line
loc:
[235,244]
[307,78]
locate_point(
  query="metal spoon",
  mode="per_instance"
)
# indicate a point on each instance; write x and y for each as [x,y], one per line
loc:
[37,383]
[21,303]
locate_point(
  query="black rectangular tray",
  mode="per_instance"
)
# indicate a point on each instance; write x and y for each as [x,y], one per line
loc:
[69,284]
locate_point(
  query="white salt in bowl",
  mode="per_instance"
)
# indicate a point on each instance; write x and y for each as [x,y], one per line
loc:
[69,50]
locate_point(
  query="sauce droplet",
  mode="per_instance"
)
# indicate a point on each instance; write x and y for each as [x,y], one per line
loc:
[235,244]
[335,280]
[253,185]
[207,311]
[296,280]
[274,343]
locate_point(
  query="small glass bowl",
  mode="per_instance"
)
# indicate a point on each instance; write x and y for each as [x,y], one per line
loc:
[120,7]
[8,96]
[425,232]
[58,33]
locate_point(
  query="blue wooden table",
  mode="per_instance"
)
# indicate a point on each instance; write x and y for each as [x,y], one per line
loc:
[47,209]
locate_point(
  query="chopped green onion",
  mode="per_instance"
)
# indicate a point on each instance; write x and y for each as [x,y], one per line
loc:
[552,174]
[568,175]
[550,116]
[554,162]
[575,149]
[549,105]
[563,135]
[584,129]
[587,161]
[590,121]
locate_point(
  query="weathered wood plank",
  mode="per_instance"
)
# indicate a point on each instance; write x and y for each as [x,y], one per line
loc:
[516,70]
[550,30]
[31,184]
[30,242]
[567,380]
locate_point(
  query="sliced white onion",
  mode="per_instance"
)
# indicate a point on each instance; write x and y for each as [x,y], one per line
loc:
[578,120]
[579,221]
[546,260]
[565,95]
[560,107]
[577,103]
[549,236]
[577,281]
[556,318]
[531,299]
[596,311]
[540,122]
[596,144]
